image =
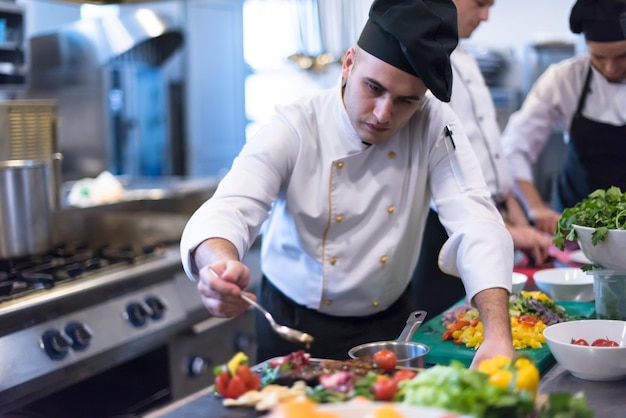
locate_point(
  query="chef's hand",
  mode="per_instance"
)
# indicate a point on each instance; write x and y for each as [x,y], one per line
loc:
[492,347]
[221,284]
[532,242]
[544,218]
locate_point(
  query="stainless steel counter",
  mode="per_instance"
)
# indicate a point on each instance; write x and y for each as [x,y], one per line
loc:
[606,399]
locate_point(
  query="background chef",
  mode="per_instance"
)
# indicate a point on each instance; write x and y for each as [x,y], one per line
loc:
[586,95]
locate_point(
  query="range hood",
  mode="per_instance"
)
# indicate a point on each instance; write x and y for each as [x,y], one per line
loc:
[140,36]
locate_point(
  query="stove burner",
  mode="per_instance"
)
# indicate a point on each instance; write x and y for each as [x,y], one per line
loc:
[64,263]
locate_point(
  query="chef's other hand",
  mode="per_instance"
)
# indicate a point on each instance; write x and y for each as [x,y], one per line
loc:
[492,347]
[221,284]
[544,219]
[534,243]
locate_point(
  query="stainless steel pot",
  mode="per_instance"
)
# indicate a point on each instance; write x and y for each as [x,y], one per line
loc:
[28,195]
[408,353]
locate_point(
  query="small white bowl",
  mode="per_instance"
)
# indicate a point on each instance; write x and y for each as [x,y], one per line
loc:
[608,253]
[566,284]
[587,362]
[519,281]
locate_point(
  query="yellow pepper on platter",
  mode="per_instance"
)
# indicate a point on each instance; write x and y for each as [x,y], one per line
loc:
[517,374]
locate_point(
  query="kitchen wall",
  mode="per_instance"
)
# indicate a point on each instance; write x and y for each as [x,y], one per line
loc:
[513,27]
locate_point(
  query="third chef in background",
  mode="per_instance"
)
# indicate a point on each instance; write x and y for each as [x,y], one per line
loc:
[586,95]
[343,180]
[471,100]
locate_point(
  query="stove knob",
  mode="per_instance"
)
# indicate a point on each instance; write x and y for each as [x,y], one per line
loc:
[55,344]
[79,334]
[136,314]
[157,307]
[197,366]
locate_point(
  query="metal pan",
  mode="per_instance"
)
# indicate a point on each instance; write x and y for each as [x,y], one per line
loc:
[408,353]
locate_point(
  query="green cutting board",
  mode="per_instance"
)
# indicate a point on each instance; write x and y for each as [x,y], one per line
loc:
[442,352]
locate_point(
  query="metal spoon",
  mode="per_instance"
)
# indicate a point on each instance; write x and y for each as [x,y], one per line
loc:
[287,333]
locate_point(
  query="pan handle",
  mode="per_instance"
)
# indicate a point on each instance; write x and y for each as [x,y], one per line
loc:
[416,319]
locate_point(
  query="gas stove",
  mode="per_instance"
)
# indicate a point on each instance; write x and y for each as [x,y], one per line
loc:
[78,310]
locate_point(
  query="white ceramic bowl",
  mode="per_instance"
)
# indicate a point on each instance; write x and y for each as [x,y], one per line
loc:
[587,362]
[608,253]
[567,284]
[519,281]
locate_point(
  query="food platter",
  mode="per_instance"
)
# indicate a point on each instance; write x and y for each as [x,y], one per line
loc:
[443,352]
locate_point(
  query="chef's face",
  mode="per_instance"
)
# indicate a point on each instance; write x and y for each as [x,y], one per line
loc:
[470,13]
[378,97]
[609,58]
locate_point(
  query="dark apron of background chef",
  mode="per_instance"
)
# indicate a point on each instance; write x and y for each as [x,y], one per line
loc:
[595,159]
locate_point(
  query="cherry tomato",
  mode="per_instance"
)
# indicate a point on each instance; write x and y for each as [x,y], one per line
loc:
[243,371]
[236,387]
[384,388]
[221,383]
[386,360]
[604,342]
[403,375]
[580,341]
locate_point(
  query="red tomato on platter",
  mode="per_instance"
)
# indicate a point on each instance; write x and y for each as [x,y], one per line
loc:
[248,377]
[604,342]
[221,383]
[386,360]
[404,375]
[236,387]
[580,341]
[385,388]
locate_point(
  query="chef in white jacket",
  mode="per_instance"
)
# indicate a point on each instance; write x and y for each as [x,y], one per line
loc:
[341,181]
[586,95]
[434,290]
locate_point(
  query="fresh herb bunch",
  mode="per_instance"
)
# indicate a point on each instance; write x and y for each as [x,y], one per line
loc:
[602,210]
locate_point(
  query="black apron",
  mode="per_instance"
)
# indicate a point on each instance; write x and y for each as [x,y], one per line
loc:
[433,290]
[595,158]
[333,336]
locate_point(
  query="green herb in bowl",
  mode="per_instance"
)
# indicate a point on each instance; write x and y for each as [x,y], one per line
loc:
[602,210]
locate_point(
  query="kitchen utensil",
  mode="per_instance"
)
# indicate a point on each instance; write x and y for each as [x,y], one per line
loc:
[26,207]
[589,362]
[518,283]
[408,353]
[568,283]
[287,333]
[608,253]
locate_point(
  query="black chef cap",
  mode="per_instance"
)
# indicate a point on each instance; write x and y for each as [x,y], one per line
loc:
[416,36]
[599,20]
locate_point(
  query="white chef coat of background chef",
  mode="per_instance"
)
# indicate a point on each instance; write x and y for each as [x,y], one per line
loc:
[380,194]
[471,100]
[552,102]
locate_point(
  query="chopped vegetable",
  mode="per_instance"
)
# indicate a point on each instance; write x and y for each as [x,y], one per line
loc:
[531,313]
[517,374]
[235,377]
[466,391]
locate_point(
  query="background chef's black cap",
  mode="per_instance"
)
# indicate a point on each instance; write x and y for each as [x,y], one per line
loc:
[416,36]
[598,20]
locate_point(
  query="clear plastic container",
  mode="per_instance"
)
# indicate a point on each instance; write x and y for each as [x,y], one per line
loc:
[610,290]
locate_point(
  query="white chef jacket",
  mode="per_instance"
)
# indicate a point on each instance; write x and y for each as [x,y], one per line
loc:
[345,219]
[472,102]
[552,102]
